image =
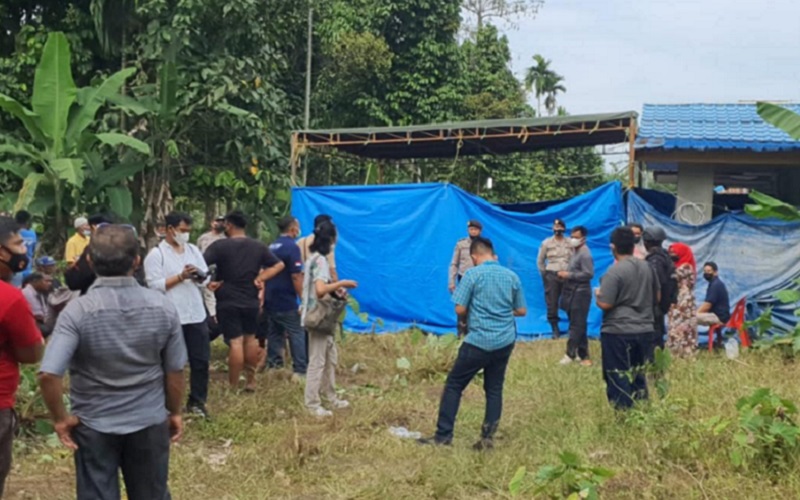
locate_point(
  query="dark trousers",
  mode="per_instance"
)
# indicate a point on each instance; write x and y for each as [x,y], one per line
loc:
[198,348]
[658,337]
[624,358]
[281,325]
[8,428]
[553,286]
[469,362]
[143,457]
[578,314]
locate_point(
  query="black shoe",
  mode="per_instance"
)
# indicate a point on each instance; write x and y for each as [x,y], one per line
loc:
[198,411]
[435,440]
[484,444]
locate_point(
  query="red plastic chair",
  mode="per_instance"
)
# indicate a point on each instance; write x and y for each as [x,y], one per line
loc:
[736,322]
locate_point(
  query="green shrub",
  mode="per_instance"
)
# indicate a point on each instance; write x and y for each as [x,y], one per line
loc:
[766,436]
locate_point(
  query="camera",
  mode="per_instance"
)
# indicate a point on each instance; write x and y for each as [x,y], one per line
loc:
[199,275]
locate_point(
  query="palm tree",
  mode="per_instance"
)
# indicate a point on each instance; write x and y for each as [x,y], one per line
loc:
[535,79]
[552,86]
[544,82]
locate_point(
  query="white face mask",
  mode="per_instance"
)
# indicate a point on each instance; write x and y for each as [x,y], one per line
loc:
[87,232]
[182,238]
[576,242]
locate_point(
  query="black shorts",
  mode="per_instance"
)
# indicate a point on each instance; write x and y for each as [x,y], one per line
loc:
[237,321]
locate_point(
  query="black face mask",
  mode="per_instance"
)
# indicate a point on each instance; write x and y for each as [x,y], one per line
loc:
[18,261]
[674,258]
[637,239]
[708,277]
[558,232]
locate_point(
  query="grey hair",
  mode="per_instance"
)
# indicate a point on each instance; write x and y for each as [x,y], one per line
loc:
[114,250]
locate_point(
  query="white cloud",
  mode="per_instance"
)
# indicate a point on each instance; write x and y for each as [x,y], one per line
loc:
[619,54]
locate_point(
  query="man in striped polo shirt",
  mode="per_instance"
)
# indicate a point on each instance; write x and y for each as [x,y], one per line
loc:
[490,296]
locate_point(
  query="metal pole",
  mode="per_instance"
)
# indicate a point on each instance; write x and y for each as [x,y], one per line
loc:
[310,48]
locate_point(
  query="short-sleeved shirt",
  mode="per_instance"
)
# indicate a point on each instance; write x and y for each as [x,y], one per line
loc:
[317,269]
[118,341]
[280,295]
[239,261]
[36,300]
[461,261]
[30,239]
[75,247]
[17,330]
[554,255]
[717,296]
[305,250]
[630,286]
[491,293]
[162,263]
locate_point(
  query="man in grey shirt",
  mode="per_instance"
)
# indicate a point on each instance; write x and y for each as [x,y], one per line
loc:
[124,348]
[576,298]
[628,294]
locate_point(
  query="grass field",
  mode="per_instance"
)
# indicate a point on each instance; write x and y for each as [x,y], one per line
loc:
[265,446]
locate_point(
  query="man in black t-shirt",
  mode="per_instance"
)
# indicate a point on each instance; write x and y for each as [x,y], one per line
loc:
[243,265]
[716,308]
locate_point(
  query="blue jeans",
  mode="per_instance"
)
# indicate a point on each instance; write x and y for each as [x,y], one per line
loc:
[279,326]
[469,362]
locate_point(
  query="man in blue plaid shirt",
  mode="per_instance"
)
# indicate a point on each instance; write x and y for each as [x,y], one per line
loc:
[490,296]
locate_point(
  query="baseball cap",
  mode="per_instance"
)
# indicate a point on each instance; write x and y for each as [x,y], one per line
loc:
[475,223]
[80,221]
[220,218]
[654,234]
[46,261]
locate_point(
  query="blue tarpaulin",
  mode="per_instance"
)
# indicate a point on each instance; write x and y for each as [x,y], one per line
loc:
[756,257]
[397,242]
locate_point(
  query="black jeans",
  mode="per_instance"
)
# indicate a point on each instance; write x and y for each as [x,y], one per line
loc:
[553,286]
[469,362]
[578,314]
[198,347]
[624,358]
[658,336]
[281,325]
[8,428]
[143,457]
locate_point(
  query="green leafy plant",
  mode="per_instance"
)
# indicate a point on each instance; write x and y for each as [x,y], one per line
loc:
[61,150]
[788,344]
[766,435]
[570,479]
[785,119]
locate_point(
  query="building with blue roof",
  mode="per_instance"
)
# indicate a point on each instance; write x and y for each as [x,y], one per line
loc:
[702,146]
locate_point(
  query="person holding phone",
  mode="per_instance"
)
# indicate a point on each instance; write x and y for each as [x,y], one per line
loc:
[177,268]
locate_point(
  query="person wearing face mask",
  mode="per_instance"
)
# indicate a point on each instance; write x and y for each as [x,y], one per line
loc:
[682,317]
[577,297]
[216,233]
[177,268]
[554,255]
[639,251]
[461,263]
[280,317]
[79,241]
[716,308]
[662,265]
[20,339]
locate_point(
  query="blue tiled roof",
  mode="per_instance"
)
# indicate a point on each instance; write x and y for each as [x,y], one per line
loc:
[711,127]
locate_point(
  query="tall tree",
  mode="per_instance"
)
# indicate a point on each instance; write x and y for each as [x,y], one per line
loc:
[488,11]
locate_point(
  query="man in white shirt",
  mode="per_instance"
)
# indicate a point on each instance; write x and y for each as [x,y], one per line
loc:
[177,268]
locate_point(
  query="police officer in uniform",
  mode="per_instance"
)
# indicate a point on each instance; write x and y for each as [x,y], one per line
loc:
[461,263]
[554,256]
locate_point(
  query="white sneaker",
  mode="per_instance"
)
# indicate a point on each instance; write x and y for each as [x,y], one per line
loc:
[321,412]
[341,404]
[565,360]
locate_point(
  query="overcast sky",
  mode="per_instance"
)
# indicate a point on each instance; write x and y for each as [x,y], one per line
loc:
[617,55]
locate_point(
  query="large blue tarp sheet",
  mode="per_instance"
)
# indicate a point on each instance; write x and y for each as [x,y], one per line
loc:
[756,257]
[397,242]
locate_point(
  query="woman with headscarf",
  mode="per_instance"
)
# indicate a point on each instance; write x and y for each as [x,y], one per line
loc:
[682,330]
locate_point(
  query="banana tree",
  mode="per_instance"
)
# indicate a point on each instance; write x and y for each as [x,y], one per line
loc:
[62,155]
[785,119]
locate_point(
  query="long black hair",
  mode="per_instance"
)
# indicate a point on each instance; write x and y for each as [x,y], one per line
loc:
[324,237]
